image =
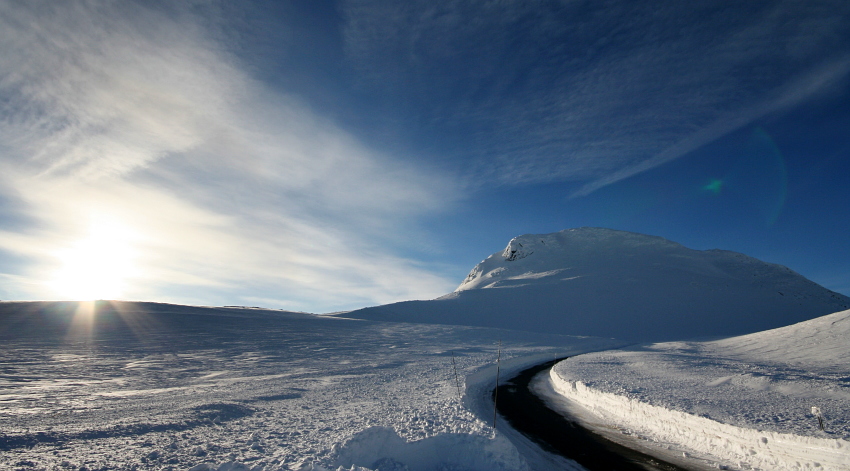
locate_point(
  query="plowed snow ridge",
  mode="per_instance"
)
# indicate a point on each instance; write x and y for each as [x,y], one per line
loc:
[736,401]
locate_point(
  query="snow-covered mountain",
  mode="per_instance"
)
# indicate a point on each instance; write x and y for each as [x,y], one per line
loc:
[603,282]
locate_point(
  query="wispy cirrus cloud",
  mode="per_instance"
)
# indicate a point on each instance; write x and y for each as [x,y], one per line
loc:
[97,88]
[229,189]
[794,93]
[591,92]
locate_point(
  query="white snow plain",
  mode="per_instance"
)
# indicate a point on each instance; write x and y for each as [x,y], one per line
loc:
[144,386]
[741,403]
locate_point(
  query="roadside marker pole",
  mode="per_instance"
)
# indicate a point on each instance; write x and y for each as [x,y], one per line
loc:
[457,380]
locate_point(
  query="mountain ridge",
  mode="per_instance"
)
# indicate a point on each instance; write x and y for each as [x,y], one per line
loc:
[609,283]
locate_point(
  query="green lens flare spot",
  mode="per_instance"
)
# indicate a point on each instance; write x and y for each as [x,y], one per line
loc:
[714,186]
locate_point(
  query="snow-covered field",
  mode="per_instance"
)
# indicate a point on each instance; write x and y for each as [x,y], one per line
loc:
[744,402]
[147,386]
[153,386]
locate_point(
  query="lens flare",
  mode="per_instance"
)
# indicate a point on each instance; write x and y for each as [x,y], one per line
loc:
[82,323]
[773,173]
[92,320]
[714,186]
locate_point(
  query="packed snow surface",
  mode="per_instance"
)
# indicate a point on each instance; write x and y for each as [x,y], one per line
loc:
[745,401]
[144,386]
[607,283]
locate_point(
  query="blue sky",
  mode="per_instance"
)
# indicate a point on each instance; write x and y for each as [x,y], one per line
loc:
[322,155]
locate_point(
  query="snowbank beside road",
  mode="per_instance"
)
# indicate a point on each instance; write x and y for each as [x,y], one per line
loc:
[734,401]
[729,445]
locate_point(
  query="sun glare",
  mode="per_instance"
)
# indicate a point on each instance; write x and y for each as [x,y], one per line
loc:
[99,265]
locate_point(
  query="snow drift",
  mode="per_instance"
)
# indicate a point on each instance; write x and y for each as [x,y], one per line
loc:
[602,282]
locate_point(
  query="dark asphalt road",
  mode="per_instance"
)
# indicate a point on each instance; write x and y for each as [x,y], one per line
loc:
[528,414]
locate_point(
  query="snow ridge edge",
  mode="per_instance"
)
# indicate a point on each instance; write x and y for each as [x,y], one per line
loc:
[744,448]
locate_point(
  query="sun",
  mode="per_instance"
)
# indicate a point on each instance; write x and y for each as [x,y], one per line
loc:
[99,265]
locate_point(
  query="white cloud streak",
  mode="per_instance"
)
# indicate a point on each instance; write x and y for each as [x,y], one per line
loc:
[592,92]
[234,191]
[791,95]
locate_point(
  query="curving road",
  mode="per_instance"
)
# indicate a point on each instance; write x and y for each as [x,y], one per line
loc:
[528,414]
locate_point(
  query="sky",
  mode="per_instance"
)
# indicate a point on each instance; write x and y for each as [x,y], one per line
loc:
[321,156]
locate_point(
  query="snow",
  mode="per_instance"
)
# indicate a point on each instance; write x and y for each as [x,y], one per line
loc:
[159,387]
[147,386]
[383,448]
[746,402]
[607,283]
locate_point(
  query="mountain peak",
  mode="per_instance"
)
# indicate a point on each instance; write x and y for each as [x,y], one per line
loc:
[549,254]
[609,283]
